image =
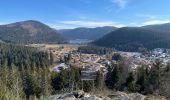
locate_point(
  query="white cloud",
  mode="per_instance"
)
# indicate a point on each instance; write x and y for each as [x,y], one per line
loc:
[91,24]
[120,3]
[3,23]
[155,21]
[133,24]
[60,26]
[79,23]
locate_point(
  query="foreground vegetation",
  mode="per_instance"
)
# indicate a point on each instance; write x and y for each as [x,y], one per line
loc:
[41,83]
[146,80]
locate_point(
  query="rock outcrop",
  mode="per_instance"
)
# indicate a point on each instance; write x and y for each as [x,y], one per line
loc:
[81,95]
[125,96]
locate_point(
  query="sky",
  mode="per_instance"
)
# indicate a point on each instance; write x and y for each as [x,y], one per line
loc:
[64,14]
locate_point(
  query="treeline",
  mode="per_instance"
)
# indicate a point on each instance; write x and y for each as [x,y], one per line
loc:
[23,84]
[146,80]
[21,56]
[70,80]
[39,83]
[94,50]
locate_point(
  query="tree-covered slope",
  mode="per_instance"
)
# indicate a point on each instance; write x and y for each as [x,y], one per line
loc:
[133,39]
[22,56]
[87,33]
[29,32]
[159,27]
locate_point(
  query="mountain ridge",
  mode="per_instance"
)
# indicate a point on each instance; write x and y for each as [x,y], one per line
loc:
[87,33]
[159,27]
[134,38]
[29,31]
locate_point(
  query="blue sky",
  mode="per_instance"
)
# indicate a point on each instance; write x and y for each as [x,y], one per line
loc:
[62,14]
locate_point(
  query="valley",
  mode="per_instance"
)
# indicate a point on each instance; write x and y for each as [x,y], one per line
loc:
[125,63]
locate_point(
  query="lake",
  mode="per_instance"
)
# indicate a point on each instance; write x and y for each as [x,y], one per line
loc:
[79,41]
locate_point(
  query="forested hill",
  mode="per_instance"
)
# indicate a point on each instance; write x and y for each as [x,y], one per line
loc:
[23,57]
[159,27]
[29,32]
[134,39]
[87,33]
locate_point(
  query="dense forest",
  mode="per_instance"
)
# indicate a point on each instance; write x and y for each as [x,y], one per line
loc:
[29,32]
[23,57]
[95,50]
[134,39]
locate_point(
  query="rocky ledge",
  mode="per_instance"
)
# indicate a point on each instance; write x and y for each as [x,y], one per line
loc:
[81,95]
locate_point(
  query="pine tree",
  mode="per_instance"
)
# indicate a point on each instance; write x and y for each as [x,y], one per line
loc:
[155,75]
[131,83]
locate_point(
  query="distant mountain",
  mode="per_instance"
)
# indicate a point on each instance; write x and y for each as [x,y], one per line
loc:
[29,32]
[159,27]
[86,33]
[134,39]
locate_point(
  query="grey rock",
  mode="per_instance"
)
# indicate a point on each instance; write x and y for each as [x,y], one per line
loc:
[79,94]
[124,96]
[136,96]
[92,98]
